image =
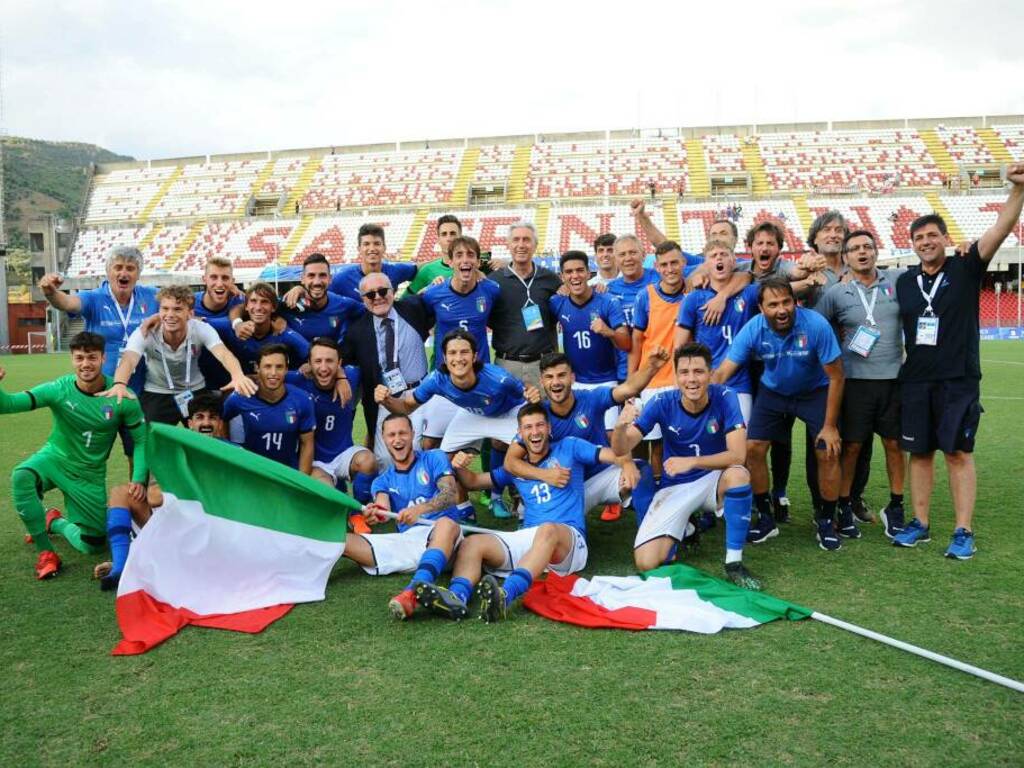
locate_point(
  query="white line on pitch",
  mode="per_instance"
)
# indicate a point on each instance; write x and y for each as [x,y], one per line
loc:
[1004,362]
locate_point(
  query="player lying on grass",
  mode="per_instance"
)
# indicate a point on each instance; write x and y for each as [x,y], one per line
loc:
[554,532]
[417,484]
[74,457]
[126,507]
[574,412]
[705,447]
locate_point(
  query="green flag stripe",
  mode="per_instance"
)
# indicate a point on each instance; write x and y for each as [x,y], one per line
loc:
[235,484]
[754,605]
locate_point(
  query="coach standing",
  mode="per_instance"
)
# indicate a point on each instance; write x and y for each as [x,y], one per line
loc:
[941,376]
[521,321]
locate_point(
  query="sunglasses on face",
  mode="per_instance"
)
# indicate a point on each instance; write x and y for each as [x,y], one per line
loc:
[376,293]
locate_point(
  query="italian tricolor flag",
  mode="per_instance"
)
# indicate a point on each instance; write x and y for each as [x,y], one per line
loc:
[238,541]
[670,597]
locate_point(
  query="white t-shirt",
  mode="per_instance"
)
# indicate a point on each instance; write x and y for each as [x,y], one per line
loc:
[157,354]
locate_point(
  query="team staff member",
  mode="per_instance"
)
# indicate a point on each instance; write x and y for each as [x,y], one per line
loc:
[867,316]
[941,377]
[522,321]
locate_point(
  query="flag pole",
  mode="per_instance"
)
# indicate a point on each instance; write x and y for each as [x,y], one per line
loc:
[423,521]
[917,651]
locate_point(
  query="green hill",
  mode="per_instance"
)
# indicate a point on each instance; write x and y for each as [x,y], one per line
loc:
[43,177]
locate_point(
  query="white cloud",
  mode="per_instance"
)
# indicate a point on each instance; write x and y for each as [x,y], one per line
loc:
[157,79]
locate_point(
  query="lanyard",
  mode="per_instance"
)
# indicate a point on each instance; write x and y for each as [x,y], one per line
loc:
[869,308]
[526,285]
[188,359]
[125,318]
[929,297]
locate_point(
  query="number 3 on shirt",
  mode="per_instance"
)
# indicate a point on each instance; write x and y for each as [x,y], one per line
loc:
[541,492]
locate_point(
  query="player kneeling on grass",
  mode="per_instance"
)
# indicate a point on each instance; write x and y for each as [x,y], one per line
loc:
[417,484]
[705,447]
[554,532]
[127,505]
[74,457]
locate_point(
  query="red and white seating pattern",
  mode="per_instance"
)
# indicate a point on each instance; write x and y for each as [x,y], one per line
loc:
[209,189]
[284,176]
[1013,138]
[488,227]
[123,194]
[964,146]
[976,214]
[576,228]
[866,160]
[383,179]
[92,246]
[494,165]
[723,154]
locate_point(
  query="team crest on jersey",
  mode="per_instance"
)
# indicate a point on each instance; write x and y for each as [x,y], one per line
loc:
[713,427]
[422,476]
[582,421]
[290,417]
[740,304]
[801,341]
[334,321]
[481,305]
[108,412]
[887,290]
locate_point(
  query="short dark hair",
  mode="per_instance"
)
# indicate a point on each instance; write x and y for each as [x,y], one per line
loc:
[272,349]
[930,218]
[777,284]
[732,226]
[692,349]
[467,242]
[604,240]
[551,359]
[324,341]
[395,417]
[766,226]
[454,335]
[531,409]
[859,233]
[87,341]
[315,258]
[665,246]
[573,256]
[448,219]
[821,222]
[370,230]
[205,402]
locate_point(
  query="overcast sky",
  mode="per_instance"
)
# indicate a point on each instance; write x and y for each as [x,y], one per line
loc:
[171,79]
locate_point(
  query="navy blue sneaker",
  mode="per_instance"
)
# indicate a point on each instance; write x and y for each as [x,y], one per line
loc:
[962,546]
[780,508]
[913,533]
[764,529]
[892,519]
[847,527]
[827,538]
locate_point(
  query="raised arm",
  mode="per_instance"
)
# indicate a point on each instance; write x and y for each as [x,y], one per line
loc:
[50,286]
[404,405]
[651,232]
[1008,217]
[638,380]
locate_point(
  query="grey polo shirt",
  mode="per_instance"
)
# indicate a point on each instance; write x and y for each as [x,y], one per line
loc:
[781,268]
[841,305]
[510,334]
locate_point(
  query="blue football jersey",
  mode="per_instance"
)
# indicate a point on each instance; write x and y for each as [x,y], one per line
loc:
[345,281]
[331,320]
[213,372]
[792,363]
[626,293]
[591,355]
[686,434]
[102,315]
[247,351]
[271,429]
[545,503]
[470,311]
[416,484]
[718,338]
[333,422]
[496,391]
[585,420]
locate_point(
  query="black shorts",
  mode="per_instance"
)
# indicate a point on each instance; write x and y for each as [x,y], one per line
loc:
[772,415]
[160,409]
[940,415]
[870,406]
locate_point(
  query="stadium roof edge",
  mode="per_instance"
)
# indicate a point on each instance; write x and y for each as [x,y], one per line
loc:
[545,137]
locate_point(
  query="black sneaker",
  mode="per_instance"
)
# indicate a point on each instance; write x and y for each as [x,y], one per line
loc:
[706,521]
[861,510]
[892,519]
[738,574]
[827,538]
[491,596]
[780,507]
[764,529]
[847,528]
[441,601]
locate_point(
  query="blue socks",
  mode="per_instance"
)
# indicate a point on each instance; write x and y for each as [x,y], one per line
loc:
[462,588]
[644,492]
[119,534]
[737,521]
[361,487]
[430,567]
[516,584]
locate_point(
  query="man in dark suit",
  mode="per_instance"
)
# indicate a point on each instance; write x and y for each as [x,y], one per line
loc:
[387,343]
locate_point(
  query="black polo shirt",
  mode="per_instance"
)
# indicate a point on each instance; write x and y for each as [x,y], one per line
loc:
[956,304]
[510,336]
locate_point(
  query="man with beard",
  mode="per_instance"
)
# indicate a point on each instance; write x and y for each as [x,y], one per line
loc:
[440,269]
[803,378]
[320,313]
[604,257]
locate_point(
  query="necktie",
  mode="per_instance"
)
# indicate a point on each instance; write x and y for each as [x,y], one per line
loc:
[389,343]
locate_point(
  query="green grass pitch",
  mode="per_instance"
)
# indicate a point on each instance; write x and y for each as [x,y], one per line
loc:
[338,683]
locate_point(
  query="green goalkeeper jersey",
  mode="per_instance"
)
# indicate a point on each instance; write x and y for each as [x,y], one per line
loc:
[428,273]
[84,426]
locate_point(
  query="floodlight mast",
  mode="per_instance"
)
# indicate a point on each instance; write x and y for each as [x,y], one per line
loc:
[5,339]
